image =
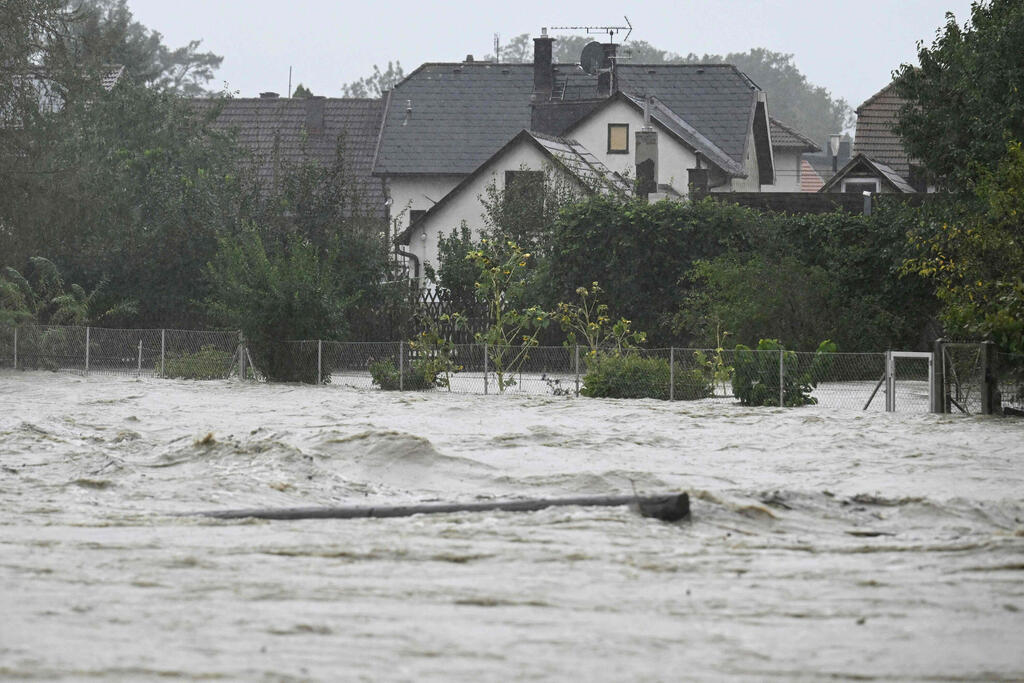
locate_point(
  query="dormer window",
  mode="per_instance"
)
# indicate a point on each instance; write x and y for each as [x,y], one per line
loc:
[618,138]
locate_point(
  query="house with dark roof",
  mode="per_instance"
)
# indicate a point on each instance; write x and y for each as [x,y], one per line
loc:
[662,128]
[789,148]
[286,132]
[879,163]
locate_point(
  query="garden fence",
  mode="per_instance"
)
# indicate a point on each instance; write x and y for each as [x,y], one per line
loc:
[967,378]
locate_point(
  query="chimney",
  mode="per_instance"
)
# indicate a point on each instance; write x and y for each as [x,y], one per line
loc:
[315,114]
[543,73]
[646,155]
[268,95]
[606,84]
[698,182]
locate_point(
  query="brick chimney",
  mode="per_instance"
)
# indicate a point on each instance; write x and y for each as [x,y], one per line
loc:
[315,114]
[606,84]
[646,155]
[543,71]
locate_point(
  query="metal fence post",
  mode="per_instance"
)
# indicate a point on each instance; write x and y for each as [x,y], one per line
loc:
[15,348]
[989,382]
[890,382]
[87,350]
[319,360]
[577,368]
[241,356]
[401,366]
[782,377]
[938,388]
[138,368]
[671,373]
[485,369]
[163,346]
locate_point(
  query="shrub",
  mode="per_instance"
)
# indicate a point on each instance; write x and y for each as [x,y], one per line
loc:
[207,363]
[756,374]
[633,376]
[421,375]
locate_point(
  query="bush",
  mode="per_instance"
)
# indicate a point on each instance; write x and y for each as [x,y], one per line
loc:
[756,374]
[633,376]
[421,375]
[207,363]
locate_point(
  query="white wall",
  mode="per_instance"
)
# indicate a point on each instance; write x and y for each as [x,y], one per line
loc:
[417,192]
[673,158]
[787,172]
[466,205]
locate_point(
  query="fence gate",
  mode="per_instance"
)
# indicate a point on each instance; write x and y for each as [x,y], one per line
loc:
[963,375]
[909,380]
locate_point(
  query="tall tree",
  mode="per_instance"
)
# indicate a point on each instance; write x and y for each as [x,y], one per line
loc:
[965,97]
[107,33]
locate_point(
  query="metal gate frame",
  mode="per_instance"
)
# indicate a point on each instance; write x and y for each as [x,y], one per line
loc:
[890,376]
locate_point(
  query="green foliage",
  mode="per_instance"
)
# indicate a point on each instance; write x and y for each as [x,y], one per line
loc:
[456,273]
[48,301]
[207,363]
[512,325]
[756,374]
[436,359]
[105,32]
[965,97]
[590,320]
[977,261]
[630,375]
[421,375]
[302,91]
[376,83]
[291,291]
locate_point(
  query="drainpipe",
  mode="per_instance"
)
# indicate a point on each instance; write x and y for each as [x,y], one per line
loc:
[415,262]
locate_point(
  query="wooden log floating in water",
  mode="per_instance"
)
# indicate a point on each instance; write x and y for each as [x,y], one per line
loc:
[668,507]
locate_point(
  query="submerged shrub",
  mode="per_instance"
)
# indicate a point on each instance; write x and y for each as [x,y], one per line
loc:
[634,376]
[756,374]
[207,363]
[421,375]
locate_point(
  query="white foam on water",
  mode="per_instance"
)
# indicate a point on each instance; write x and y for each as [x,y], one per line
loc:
[823,543]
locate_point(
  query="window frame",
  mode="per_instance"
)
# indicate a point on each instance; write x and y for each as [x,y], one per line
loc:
[618,151]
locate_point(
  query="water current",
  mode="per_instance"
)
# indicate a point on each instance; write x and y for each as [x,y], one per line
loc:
[822,544]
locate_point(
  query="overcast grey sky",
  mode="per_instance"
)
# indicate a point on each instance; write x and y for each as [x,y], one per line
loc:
[848,47]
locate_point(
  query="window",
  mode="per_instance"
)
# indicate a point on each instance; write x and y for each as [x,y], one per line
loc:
[618,138]
[860,185]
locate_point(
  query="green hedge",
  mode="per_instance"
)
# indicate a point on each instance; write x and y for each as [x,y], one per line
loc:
[634,376]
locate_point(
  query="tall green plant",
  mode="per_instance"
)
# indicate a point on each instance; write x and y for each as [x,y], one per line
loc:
[512,325]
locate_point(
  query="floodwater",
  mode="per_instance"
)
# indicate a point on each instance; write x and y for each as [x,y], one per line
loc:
[823,543]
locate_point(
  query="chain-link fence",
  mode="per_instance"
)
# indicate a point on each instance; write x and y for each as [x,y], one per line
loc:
[973,378]
[186,354]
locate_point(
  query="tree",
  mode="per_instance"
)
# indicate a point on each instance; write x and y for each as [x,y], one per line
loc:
[106,33]
[977,262]
[375,84]
[965,97]
[302,91]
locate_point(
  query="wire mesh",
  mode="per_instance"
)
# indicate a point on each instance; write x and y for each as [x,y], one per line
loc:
[752,377]
[1008,369]
[963,374]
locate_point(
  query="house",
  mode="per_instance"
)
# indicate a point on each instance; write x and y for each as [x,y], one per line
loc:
[879,162]
[792,172]
[448,127]
[283,132]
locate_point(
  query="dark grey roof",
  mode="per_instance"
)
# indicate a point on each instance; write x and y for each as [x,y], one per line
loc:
[594,176]
[693,138]
[292,131]
[784,137]
[462,113]
[875,137]
[862,163]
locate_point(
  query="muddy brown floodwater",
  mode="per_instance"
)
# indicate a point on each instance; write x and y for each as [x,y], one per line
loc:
[822,543]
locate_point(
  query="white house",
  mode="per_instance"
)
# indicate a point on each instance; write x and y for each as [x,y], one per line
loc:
[450,129]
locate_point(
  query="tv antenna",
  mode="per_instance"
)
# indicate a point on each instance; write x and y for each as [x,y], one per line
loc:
[610,30]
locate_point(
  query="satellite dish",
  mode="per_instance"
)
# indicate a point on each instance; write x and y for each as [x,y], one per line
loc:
[592,57]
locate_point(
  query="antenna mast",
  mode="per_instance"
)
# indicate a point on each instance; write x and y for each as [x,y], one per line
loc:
[610,30]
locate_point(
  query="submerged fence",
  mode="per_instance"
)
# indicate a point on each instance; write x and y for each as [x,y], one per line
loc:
[964,378]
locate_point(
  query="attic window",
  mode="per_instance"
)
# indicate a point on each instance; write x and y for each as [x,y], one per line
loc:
[618,138]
